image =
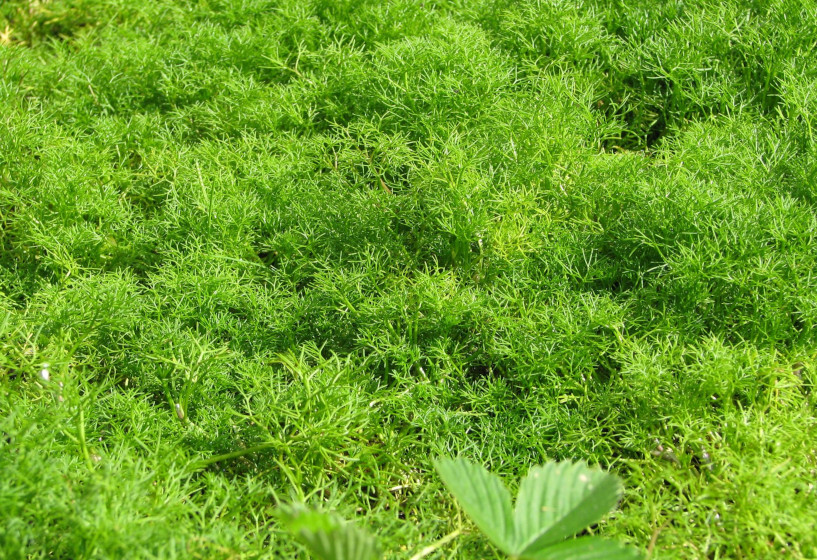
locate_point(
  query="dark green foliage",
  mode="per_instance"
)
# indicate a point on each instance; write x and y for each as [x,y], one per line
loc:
[347,236]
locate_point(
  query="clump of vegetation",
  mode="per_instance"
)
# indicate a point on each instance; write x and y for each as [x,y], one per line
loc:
[259,252]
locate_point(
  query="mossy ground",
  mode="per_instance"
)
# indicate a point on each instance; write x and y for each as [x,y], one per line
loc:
[364,234]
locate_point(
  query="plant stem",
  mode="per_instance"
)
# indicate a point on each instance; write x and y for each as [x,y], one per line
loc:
[439,544]
[203,463]
[82,443]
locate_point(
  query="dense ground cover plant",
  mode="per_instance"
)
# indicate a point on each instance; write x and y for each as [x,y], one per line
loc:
[260,251]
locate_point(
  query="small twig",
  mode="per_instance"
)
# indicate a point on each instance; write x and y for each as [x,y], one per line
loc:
[654,539]
[93,94]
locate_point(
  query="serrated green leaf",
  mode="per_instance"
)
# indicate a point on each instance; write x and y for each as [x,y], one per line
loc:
[329,538]
[483,497]
[558,500]
[586,548]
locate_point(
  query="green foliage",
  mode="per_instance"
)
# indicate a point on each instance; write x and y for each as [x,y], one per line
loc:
[347,236]
[35,21]
[555,502]
[329,538]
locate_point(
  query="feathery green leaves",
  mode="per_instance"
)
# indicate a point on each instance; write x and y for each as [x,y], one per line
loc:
[338,237]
